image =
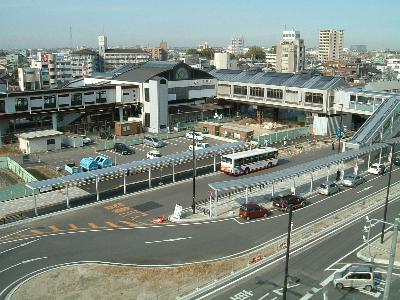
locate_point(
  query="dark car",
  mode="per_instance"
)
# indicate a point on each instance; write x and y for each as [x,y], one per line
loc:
[396,160]
[123,149]
[283,202]
[251,210]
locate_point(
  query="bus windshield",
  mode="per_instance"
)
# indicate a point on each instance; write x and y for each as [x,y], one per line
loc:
[226,160]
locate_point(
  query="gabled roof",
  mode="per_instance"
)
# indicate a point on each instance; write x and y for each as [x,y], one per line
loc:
[146,71]
[301,80]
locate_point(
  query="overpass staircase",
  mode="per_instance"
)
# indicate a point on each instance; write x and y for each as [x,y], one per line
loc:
[381,126]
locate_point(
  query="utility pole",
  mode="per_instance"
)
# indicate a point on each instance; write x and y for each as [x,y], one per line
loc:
[194,174]
[287,252]
[391,259]
[341,125]
[387,192]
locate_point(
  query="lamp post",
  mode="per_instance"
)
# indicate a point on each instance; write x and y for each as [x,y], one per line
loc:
[340,126]
[392,252]
[194,174]
[387,192]
[287,253]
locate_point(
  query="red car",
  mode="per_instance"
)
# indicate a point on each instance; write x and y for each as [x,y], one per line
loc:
[282,202]
[252,210]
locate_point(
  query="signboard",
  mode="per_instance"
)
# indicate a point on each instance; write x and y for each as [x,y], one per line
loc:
[178,211]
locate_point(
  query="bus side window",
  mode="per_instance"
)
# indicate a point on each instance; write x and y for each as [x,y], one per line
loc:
[238,162]
[255,158]
[262,157]
[248,160]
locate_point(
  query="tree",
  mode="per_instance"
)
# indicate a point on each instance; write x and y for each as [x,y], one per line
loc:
[255,53]
[191,51]
[207,53]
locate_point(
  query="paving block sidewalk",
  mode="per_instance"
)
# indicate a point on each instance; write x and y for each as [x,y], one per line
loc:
[380,252]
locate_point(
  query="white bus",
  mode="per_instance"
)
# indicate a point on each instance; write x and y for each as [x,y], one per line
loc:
[249,161]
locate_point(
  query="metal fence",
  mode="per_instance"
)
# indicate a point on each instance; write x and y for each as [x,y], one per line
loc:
[16,190]
[283,135]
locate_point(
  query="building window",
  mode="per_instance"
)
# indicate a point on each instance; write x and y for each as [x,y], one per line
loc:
[146,95]
[51,142]
[76,99]
[49,101]
[256,92]
[21,104]
[147,119]
[2,106]
[274,93]
[88,93]
[316,98]
[240,90]
[101,97]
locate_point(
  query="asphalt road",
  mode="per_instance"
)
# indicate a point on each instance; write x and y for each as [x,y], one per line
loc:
[312,267]
[151,245]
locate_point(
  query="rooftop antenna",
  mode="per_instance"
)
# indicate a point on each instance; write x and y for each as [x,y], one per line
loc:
[70,36]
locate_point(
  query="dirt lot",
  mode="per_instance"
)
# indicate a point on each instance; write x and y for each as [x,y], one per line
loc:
[42,172]
[94,281]
[8,178]
[9,150]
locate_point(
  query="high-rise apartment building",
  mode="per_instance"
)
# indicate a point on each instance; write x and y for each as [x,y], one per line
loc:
[290,52]
[330,45]
[237,46]
[84,62]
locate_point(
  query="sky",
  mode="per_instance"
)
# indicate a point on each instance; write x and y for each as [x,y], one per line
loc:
[188,23]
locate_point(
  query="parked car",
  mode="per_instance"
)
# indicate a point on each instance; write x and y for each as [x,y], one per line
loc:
[198,146]
[153,141]
[86,140]
[355,276]
[328,188]
[153,154]
[123,149]
[352,180]
[252,210]
[283,202]
[377,169]
[396,160]
[198,136]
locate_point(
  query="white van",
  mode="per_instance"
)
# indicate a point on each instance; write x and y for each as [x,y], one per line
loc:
[355,276]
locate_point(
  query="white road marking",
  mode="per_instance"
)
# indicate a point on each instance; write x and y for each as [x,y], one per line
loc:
[23,262]
[267,294]
[5,236]
[22,245]
[365,189]
[169,240]
[280,291]
[375,295]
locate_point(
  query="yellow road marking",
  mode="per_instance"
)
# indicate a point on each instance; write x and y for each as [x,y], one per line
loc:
[54,228]
[111,224]
[129,223]
[73,226]
[92,225]
[34,231]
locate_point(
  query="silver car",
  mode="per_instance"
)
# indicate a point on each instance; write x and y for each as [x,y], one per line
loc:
[355,277]
[352,180]
[328,188]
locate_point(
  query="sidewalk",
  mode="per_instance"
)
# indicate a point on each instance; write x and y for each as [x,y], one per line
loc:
[380,252]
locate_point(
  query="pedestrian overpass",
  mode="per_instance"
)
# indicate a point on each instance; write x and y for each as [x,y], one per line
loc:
[381,126]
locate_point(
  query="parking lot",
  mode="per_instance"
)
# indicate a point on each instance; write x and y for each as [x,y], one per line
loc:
[58,159]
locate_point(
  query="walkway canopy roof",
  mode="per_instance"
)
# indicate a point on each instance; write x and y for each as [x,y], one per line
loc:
[292,172]
[175,158]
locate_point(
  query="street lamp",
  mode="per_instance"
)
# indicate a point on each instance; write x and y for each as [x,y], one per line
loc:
[341,124]
[371,223]
[387,192]
[194,174]
[290,208]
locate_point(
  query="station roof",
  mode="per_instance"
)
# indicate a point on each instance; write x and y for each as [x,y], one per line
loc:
[300,80]
[136,165]
[294,171]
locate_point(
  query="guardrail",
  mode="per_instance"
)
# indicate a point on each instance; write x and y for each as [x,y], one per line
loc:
[283,135]
[299,237]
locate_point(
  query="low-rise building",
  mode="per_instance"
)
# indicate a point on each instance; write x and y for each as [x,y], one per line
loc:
[40,141]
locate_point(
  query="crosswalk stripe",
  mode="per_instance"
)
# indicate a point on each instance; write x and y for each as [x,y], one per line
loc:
[73,226]
[111,224]
[129,223]
[54,228]
[92,225]
[35,231]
